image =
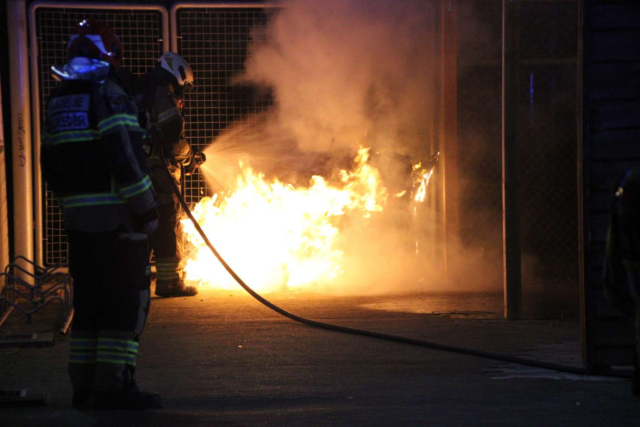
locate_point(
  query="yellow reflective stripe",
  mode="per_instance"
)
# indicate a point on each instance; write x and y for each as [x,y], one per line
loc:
[122,350]
[167,276]
[167,265]
[92,200]
[119,345]
[71,136]
[163,117]
[126,120]
[167,272]
[139,187]
[119,340]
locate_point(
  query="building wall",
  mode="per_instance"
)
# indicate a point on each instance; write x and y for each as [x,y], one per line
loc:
[611,145]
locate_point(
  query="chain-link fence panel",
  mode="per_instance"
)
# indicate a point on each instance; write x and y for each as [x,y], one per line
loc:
[142,32]
[547,130]
[480,151]
[547,134]
[480,136]
[214,41]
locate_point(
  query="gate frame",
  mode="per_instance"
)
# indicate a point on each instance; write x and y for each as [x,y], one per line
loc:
[192,5]
[35,90]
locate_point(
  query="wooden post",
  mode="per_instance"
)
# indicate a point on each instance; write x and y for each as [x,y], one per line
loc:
[510,171]
[449,136]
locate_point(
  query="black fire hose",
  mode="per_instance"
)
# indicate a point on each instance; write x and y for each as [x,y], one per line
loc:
[370,334]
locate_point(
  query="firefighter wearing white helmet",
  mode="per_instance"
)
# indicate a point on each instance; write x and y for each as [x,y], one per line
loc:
[177,66]
[160,93]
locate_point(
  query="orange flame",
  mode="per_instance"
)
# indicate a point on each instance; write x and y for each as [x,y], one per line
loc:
[277,236]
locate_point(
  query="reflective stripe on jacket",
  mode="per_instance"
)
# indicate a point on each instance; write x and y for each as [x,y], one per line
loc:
[92,156]
[165,122]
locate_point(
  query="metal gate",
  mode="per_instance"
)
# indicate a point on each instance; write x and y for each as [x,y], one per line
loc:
[547,116]
[144,32]
[212,38]
[214,41]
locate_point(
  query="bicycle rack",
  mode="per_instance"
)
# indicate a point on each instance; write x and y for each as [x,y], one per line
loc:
[46,285]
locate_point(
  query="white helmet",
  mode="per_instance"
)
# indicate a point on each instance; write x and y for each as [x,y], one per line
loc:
[173,63]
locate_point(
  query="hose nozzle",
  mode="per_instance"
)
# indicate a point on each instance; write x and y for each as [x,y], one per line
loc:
[199,158]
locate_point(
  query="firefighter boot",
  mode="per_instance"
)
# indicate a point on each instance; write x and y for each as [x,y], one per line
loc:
[176,289]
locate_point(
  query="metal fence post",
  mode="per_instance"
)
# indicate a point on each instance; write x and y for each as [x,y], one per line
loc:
[510,170]
[449,77]
[21,129]
[4,220]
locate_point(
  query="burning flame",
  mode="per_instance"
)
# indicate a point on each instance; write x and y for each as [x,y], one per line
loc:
[423,182]
[277,236]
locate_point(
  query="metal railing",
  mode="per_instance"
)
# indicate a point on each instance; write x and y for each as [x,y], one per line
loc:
[144,32]
[547,112]
[29,288]
[213,39]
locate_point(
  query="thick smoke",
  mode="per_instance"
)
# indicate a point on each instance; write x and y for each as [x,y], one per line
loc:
[345,74]
[349,72]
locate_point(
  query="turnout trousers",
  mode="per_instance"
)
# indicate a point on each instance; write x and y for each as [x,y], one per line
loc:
[167,241]
[111,281]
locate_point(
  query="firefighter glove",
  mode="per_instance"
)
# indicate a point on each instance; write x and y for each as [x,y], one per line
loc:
[198,159]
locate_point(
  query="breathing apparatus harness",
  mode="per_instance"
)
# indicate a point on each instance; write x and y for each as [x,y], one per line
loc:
[395,338]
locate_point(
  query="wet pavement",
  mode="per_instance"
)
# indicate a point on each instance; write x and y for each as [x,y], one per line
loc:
[222,359]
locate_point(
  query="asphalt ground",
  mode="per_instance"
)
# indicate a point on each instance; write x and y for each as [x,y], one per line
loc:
[222,359]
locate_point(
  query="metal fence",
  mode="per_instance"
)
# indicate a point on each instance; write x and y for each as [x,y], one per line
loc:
[143,32]
[214,41]
[547,125]
[547,132]
[480,131]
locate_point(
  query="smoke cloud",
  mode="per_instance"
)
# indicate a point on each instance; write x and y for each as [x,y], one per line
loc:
[345,74]
[356,73]
[349,72]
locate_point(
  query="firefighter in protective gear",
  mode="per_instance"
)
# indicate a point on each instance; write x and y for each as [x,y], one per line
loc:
[93,160]
[622,266]
[160,94]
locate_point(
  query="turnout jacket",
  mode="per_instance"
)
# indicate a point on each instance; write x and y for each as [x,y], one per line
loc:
[92,157]
[166,126]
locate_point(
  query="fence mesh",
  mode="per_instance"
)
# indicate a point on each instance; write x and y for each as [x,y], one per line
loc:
[480,132]
[141,33]
[547,129]
[547,132]
[214,42]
